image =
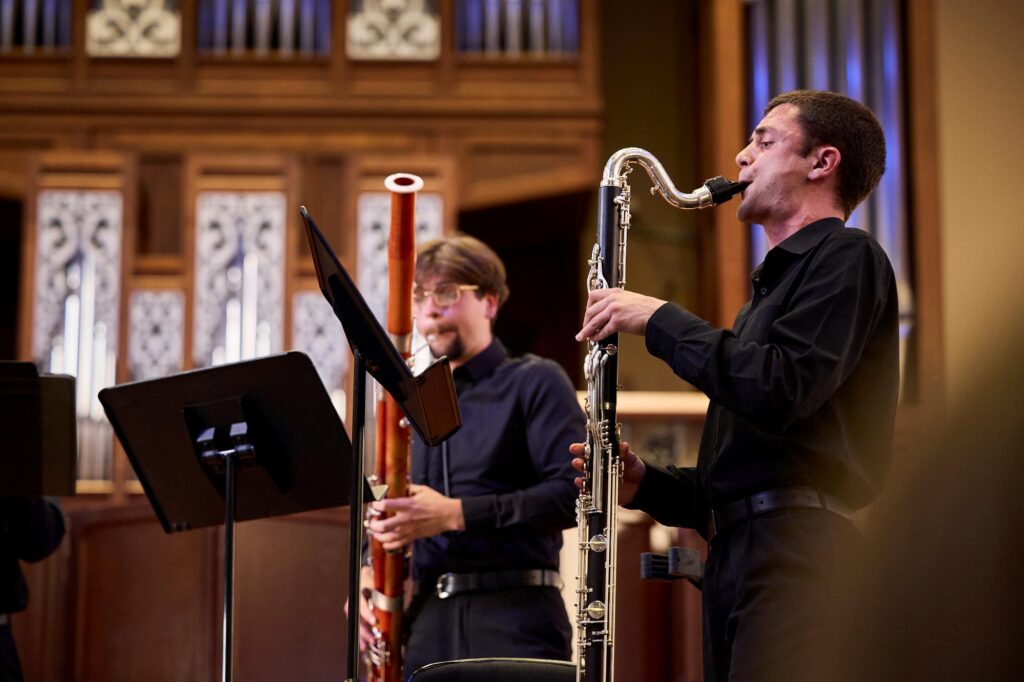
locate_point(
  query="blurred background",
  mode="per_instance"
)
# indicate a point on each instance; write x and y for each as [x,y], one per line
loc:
[153,155]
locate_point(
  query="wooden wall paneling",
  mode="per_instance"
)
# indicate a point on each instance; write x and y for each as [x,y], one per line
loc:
[163,134]
[339,74]
[539,161]
[925,388]
[79,60]
[722,135]
[294,232]
[37,75]
[14,164]
[129,242]
[262,77]
[186,61]
[446,64]
[291,581]
[590,49]
[28,257]
[386,79]
[144,605]
[321,192]
[203,83]
[159,225]
[192,167]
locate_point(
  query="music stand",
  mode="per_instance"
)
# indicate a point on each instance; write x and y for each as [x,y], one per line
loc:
[33,404]
[264,429]
[428,400]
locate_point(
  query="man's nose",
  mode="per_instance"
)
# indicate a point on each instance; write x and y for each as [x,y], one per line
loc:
[743,158]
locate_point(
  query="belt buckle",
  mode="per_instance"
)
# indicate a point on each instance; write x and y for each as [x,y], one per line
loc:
[444,585]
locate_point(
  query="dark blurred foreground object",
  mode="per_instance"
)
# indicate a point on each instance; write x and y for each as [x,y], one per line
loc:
[37,420]
[32,405]
[31,528]
[940,596]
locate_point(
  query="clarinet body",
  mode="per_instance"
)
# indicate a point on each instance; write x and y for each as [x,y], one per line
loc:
[598,499]
[393,437]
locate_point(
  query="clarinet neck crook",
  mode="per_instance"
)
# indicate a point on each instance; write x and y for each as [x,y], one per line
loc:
[714,191]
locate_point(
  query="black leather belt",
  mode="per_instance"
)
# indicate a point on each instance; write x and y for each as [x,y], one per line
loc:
[451,584]
[800,497]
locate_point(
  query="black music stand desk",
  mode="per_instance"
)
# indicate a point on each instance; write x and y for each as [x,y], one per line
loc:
[237,442]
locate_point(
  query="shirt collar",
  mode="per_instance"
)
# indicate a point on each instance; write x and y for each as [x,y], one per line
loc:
[803,240]
[482,364]
[809,236]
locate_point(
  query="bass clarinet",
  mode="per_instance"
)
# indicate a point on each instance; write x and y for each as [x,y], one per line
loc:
[392,464]
[598,498]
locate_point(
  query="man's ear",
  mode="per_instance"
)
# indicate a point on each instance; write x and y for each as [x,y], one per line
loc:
[491,309]
[826,161]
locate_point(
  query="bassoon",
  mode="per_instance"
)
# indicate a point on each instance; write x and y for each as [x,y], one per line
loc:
[595,507]
[393,444]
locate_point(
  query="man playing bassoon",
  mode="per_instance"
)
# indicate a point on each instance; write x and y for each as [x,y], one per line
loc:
[487,508]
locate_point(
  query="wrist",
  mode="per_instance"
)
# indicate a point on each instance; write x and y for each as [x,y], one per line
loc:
[458,518]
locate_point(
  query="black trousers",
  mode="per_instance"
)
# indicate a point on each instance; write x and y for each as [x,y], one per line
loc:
[767,595]
[10,666]
[520,622]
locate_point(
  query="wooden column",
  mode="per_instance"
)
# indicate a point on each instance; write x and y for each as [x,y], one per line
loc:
[925,365]
[725,250]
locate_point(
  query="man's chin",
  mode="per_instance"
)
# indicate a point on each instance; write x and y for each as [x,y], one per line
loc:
[745,213]
[453,350]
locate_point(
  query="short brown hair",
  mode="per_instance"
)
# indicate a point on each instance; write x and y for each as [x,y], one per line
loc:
[832,119]
[466,260]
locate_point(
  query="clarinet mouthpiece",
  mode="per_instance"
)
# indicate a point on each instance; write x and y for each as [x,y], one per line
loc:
[723,189]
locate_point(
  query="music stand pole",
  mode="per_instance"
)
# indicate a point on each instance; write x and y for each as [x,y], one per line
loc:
[241,453]
[355,512]
[229,563]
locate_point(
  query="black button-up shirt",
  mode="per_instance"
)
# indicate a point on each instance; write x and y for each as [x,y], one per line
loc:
[803,388]
[509,464]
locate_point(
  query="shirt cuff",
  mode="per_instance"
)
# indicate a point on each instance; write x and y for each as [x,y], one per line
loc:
[480,512]
[650,487]
[666,327]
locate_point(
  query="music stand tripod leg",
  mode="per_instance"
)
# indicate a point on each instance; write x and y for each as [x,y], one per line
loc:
[355,513]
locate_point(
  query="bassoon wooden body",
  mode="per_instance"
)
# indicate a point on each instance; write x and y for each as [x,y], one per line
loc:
[393,444]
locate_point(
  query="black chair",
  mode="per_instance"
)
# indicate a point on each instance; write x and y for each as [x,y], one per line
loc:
[496,670]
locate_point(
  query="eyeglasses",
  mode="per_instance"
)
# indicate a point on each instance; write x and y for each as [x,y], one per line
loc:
[444,294]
